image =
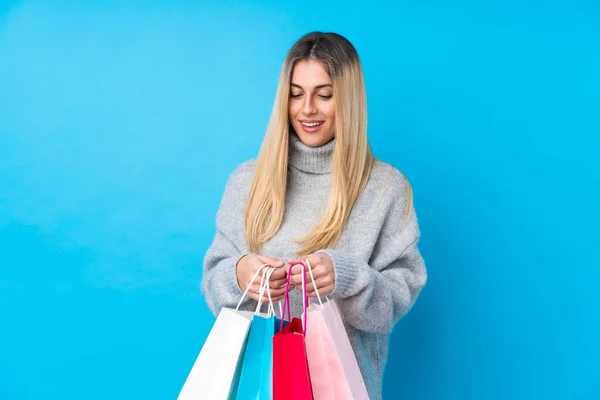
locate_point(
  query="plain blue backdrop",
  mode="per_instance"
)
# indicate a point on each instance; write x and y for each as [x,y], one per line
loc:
[120,123]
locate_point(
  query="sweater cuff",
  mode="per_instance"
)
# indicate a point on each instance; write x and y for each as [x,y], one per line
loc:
[346,272]
[231,279]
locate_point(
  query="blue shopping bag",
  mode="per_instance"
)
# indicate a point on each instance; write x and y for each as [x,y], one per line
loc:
[256,379]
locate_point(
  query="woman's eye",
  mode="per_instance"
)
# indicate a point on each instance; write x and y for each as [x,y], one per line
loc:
[325,96]
[295,95]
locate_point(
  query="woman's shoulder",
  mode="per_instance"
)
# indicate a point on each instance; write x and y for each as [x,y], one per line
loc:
[392,189]
[237,187]
[243,173]
[247,167]
[386,176]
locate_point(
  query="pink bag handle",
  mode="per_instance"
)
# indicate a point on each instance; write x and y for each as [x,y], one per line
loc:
[286,299]
[304,298]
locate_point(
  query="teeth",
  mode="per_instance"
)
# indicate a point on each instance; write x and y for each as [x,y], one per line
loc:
[311,124]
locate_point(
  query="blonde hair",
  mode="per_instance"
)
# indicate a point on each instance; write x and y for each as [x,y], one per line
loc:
[352,156]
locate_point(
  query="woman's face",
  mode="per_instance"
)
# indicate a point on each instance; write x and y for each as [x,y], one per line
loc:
[311,106]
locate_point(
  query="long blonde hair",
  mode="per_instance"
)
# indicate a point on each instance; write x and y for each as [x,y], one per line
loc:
[352,156]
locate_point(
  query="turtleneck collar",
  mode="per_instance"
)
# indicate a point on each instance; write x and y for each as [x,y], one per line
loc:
[314,160]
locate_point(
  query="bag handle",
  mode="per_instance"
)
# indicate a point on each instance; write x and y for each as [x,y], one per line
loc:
[286,299]
[250,284]
[264,286]
[312,278]
[261,291]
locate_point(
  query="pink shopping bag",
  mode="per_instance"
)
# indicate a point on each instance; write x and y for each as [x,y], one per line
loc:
[334,371]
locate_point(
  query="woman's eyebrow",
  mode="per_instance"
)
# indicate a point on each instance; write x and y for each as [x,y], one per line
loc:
[316,87]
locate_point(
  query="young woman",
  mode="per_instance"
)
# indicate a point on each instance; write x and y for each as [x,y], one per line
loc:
[317,192]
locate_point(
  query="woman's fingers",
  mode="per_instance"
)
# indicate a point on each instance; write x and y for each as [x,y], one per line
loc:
[323,288]
[321,282]
[276,292]
[276,284]
[278,279]
[273,262]
[296,272]
[324,284]
[297,268]
[273,299]
[253,296]
[323,291]
[312,259]
[276,295]
[278,273]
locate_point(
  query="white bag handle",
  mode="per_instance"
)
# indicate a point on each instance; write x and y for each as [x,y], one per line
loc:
[312,278]
[260,292]
[250,284]
[264,285]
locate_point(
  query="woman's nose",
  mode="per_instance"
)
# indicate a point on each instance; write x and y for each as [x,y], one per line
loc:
[309,106]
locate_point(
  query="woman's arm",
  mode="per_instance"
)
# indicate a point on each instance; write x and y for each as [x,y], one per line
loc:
[219,282]
[228,265]
[373,295]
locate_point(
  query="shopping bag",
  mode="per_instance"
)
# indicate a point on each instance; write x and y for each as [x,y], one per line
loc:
[334,371]
[291,378]
[216,371]
[256,379]
[343,349]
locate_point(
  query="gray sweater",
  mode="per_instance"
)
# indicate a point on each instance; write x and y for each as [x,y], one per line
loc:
[379,271]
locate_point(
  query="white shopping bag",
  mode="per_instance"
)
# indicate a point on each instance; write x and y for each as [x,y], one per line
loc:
[215,374]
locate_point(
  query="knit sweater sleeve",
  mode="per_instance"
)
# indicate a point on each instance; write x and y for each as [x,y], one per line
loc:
[374,295]
[219,280]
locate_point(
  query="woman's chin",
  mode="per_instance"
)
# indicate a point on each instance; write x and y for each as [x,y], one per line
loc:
[313,139]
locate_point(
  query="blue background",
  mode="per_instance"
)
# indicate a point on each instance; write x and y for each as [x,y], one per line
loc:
[121,121]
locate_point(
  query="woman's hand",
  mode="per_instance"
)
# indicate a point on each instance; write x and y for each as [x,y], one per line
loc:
[246,268]
[323,271]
